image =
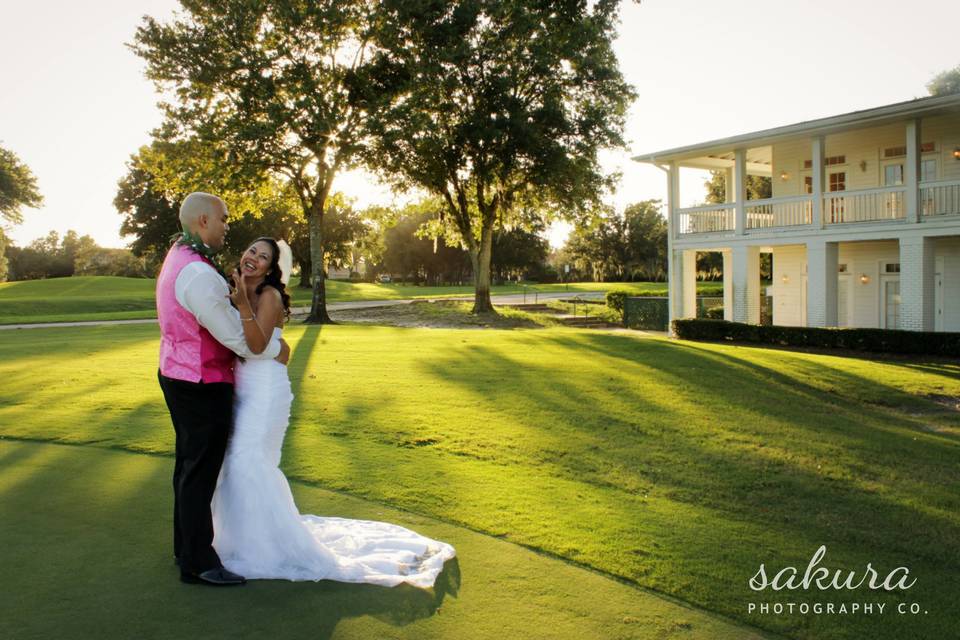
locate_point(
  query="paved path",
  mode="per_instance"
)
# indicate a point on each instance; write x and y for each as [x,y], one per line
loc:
[335,306]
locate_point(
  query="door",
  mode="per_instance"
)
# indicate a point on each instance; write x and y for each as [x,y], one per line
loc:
[890,303]
[938,295]
[843,300]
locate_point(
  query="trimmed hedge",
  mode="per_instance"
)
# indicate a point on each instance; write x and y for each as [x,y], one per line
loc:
[875,340]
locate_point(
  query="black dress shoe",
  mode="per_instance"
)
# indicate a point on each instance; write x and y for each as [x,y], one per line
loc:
[218,577]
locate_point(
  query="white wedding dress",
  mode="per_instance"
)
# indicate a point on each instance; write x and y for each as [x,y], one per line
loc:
[259,533]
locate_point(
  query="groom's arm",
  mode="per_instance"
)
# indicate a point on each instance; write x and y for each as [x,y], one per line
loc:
[201,291]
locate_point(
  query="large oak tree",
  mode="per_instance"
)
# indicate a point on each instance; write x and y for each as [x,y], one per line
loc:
[266,83]
[504,107]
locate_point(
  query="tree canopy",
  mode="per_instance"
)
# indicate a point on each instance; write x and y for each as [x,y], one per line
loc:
[266,85]
[18,187]
[945,83]
[621,246]
[499,107]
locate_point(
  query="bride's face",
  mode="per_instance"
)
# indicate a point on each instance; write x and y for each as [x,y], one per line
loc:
[256,260]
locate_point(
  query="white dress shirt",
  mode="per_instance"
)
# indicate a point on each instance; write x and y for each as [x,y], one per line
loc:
[204,293]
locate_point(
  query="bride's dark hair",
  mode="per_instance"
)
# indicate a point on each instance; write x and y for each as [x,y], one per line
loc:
[272,279]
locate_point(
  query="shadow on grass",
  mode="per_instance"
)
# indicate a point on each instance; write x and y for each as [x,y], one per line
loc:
[103,521]
[782,465]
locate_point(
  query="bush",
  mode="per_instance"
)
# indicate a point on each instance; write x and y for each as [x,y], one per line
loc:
[616,298]
[875,340]
[715,313]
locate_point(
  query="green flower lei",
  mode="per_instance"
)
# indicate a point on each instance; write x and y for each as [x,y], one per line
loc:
[193,242]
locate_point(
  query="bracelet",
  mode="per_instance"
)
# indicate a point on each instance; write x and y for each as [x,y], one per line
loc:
[250,318]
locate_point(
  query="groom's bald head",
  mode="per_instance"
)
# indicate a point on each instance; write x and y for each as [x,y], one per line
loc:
[206,215]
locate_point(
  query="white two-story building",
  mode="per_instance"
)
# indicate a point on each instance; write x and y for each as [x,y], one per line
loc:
[863,223]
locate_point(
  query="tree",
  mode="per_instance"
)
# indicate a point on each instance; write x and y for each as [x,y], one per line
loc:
[621,246]
[48,257]
[517,253]
[504,107]
[266,84]
[945,83]
[18,187]
[647,241]
[410,253]
[149,214]
[4,263]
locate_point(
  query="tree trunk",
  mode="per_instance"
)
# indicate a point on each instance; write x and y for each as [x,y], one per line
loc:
[481,273]
[318,305]
[305,270]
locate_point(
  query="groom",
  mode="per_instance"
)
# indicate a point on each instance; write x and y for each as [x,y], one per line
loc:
[199,334]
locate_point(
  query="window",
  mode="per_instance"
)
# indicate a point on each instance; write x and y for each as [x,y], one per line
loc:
[838,181]
[891,267]
[893,175]
[808,184]
[928,170]
[827,162]
[842,267]
[895,152]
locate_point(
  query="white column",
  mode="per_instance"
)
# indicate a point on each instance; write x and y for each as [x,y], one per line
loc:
[689,284]
[727,284]
[917,286]
[673,198]
[674,265]
[822,277]
[683,284]
[746,284]
[816,148]
[740,190]
[911,171]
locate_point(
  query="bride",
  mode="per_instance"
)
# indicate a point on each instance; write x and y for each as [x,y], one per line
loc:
[259,533]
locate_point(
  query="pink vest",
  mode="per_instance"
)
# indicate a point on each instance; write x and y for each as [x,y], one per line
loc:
[187,350]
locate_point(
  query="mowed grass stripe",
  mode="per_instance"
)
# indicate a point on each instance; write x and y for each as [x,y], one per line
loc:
[114,298]
[677,466]
[94,562]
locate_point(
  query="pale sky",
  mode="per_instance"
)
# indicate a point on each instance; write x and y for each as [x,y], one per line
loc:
[74,103]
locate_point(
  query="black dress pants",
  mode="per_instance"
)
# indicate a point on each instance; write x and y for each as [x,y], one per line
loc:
[202,417]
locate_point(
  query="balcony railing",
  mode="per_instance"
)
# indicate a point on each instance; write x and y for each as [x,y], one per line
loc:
[869,205]
[940,198]
[779,212]
[707,219]
[839,207]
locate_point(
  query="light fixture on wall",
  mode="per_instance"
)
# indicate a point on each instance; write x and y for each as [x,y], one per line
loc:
[785,279]
[864,278]
[956,153]
[784,176]
[863,165]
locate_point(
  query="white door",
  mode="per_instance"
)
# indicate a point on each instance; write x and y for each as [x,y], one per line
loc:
[890,302]
[803,301]
[843,300]
[938,295]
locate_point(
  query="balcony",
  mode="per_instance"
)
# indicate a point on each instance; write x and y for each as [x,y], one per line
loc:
[940,198]
[840,208]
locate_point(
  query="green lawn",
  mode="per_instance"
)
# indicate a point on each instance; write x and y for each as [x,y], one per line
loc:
[113,298]
[676,466]
[94,562]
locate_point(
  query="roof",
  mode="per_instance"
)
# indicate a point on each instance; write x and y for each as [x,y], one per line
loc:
[876,116]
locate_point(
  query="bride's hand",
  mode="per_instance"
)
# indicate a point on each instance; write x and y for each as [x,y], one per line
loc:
[238,291]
